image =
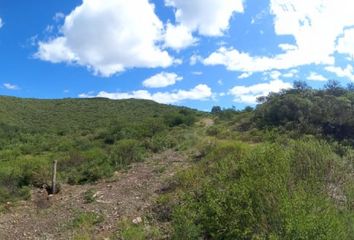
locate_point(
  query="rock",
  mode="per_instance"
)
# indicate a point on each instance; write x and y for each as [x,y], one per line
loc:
[137,220]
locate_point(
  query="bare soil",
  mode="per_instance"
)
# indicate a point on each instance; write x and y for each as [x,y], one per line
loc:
[128,195]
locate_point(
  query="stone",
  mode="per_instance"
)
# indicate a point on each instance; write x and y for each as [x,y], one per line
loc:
[137,220]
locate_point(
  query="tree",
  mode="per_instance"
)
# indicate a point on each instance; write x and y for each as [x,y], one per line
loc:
[350,87]
[300,85]
[216,110]
[333,87]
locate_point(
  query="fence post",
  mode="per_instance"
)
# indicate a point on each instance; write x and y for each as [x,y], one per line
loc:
[54,177]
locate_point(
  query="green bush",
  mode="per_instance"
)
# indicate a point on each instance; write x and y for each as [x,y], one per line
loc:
[238,192]
[161,142]
[125,152]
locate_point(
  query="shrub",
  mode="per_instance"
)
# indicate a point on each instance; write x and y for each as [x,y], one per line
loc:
[237,192]
[125,152]
[161,142]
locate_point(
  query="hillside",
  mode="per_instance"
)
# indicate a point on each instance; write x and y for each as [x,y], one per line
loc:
[76,114]
[135,169]
[91,138]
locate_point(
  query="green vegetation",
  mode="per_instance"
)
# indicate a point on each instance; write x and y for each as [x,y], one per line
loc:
[268,191]
[83,224]
[328,112]
[283,170]
[275,172]
[85,220]
[90,138]
[141,231]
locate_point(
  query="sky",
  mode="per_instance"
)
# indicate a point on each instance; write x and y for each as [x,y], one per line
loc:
[195,53]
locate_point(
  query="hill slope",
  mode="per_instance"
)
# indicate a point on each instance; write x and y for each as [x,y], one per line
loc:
[76,114]
[91,138]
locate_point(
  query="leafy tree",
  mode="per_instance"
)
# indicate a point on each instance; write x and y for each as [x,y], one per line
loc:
[216,110]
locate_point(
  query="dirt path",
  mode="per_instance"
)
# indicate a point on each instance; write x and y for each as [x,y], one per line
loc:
[207,122]
[128,195]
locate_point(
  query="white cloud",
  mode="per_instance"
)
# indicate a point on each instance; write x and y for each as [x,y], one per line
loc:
[275,75]
[347,72]
[316,77]
[238,61]
[10,86]
[56,51]
[208,17]
[87,95]
[249,94]
[178,37]
[108,37]
[194,59]
[314,25]
[200,92]
[346,43]
[1,23]
[245,75]
[286,47]
[292,73]
[162,79]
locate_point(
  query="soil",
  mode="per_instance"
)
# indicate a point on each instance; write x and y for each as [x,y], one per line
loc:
[128,195]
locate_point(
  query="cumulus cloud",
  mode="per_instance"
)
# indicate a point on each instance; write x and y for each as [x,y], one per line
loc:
[315,32]
[200,92]
[241,61]
[249,94]
[316,77]
[108,37]
[208,17]
[347,72]
[346,43]
[10,86]
[162,79]
[1,23]
[178,37]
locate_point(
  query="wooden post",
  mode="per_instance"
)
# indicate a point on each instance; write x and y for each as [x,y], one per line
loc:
[54,177]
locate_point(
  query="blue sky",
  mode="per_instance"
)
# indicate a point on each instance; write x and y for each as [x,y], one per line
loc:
[196,53]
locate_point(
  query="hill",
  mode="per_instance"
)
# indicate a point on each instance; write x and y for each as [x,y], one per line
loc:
[139,170]
[91,138]
[77,114]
